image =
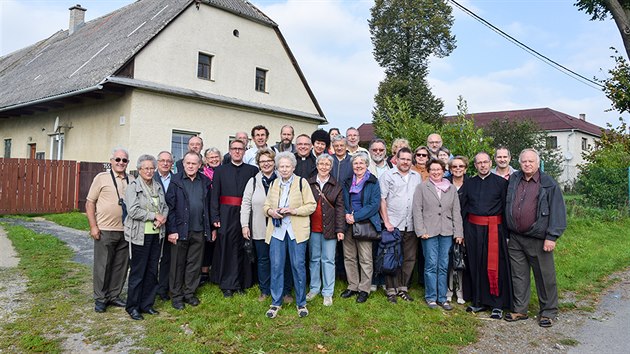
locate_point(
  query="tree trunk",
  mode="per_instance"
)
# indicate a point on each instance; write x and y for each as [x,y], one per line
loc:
[622,19]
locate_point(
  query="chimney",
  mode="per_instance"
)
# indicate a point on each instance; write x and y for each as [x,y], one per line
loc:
[583,116]
[77,18]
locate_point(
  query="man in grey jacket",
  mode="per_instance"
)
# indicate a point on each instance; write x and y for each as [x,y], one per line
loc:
[536,217]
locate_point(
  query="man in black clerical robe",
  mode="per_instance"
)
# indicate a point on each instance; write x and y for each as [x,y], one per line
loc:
[231,268]
[487,282]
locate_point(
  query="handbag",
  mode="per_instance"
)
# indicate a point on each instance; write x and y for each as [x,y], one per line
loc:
[365,231]
[458,253]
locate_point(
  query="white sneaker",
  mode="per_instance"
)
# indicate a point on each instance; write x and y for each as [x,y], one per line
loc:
[327,300]
[373,288]
[449,299]
[461,301]
[310,296]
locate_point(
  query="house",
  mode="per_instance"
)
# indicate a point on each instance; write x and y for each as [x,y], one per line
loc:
[571,135]
[149,76]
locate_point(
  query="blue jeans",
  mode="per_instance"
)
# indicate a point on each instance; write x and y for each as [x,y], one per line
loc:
[322,258]
[264,269]
[278,255]
[435,251]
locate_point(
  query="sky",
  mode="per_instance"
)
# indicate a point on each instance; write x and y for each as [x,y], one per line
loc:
[331,42]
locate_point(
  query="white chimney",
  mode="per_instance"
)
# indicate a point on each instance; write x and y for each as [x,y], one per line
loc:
[583,116]
[77,18]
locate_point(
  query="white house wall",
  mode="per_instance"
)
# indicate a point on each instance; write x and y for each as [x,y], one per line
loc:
[171,59]
[570,144]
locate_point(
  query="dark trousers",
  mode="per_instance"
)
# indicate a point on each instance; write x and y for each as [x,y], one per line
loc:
[398,282]
[165,267]
[420,263]
[142,284]
[527,253]
[186,258]
[111,259]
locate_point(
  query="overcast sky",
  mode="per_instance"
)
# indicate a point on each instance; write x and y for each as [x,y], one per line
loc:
[331,42]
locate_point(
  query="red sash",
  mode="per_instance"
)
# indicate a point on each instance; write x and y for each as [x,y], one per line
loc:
[235,201]
[493,223]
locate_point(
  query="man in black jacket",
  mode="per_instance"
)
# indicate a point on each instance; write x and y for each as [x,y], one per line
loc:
[164,176]
[536,217]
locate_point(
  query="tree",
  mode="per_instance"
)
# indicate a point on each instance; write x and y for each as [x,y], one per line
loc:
[395,120]
[616,87]
[461,136]
[619,10]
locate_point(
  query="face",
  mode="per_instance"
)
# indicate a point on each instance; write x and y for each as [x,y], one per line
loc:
[146,170]
[436,172]
[237,150]
[502,158]
[260,137]
[195,144]
[359,167]
[242,137]
[119,161]
[191,165]
[165,163]
[377,152]
[442,155]
[529,163]
[319,147]
[333,133]
[340,148]
[213,159]
[422,156]
[303,146]
[323,167]
[352,137]
[434,142]
[458,168]
[286,135]
[483,164]
[266,164]
[403,162]
[285,168]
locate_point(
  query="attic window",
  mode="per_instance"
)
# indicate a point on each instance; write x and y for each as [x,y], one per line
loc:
[235,33]
[204,66]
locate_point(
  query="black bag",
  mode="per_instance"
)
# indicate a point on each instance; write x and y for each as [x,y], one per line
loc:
[248,246]
[121,201]
[365,231]
[457,257]
[389,258]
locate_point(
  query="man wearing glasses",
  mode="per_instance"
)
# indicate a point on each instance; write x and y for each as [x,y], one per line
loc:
[104,209]
[378,154]
[164,175]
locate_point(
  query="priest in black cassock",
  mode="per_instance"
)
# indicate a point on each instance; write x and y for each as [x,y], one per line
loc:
[231,268]
[487,282]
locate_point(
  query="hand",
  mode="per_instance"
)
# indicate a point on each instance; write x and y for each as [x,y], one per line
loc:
[214,235]
[275,213]
[246,232]
[349,219]
[172,238]
[549,246]
[217,224]
[159,220]
[459,240]
[95,232]
[340,236]
[286,211]
[389,227]
[425,236]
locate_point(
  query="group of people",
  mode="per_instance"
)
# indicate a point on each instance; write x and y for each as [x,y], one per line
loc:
[291,218]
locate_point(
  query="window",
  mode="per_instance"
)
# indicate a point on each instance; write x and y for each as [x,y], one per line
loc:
[584,144]
[204,66]
[7,148]
[179,143]
[56,146]
[551,142]
[261,80]
[40,155]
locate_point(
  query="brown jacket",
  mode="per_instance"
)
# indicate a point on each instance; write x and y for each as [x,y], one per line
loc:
[333,219]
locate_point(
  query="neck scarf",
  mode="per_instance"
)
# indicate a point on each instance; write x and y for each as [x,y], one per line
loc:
[442,185]
[208,171]
[357,187]
[266,182]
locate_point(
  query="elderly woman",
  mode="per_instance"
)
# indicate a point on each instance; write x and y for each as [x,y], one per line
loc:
[436,220]
[211,160]
[289,203]
[327,226]
[144,228]
[458,166]
[362,198]
[420,158]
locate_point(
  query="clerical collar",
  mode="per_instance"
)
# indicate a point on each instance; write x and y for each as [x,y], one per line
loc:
[236,164]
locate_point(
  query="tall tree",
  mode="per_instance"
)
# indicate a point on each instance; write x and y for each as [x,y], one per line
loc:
[619,10]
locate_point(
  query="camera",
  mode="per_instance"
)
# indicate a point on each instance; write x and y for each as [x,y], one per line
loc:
[120,201]
[277,222]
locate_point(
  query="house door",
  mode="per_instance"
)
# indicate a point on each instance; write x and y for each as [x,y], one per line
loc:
[32,151]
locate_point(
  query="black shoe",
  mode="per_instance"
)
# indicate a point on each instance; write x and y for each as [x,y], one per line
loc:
[363,296]
[392,298]
[135,314]
[99,307]
[178,305]
[117,302]
[192,301]
[164,297]
[228,293]
[348,293]
[405,296]
[151,311]
[204,279]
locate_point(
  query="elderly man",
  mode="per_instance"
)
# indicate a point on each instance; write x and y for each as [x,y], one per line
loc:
[187,228]
[378,154]
[487,281]
[434,143]
[164,176]
[286,140]
[260,134]
[397,189]
[104,208]
[231,269]
[536,218]
[352,140]
[242,136]
[306,166]
[195,144]
[502,158]
[342,167]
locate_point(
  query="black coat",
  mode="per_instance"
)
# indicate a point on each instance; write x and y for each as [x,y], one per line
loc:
[178,214]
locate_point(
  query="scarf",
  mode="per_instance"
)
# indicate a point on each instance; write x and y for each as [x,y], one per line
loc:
[151,193]
[358,187]
[266,182]
[208,171]
[441,186]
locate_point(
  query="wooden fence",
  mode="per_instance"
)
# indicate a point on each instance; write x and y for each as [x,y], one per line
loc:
[29,186]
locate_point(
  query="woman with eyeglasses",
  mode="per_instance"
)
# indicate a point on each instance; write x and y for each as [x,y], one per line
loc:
[212,160]
[458,166]
[144,228]
[421,156]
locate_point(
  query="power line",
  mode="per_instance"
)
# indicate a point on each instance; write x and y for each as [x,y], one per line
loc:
[563,69]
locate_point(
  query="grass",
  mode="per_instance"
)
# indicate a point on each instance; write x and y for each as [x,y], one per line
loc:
[75,220]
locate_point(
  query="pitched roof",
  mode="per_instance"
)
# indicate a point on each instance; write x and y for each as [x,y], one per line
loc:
[64,63]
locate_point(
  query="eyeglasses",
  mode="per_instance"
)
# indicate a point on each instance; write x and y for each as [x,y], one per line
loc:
[237,149]
[165,161]
[118,159]
[458,166]
[422,155]
[265,161]
[378,150]
[147,169]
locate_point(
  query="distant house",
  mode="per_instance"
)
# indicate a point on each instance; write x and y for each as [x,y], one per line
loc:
[149,76]
[570,134]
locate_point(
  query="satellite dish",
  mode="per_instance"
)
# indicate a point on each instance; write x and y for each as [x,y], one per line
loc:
[56,125]
[568,156]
